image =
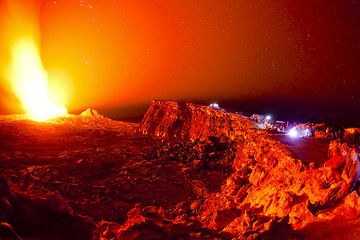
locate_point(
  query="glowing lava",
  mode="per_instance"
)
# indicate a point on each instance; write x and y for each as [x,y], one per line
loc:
[29,82]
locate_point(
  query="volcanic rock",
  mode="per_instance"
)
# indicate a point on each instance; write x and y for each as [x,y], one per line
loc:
[266,179]
[352,135]
[185,172]
[190,122]
[90,118]
[91,113]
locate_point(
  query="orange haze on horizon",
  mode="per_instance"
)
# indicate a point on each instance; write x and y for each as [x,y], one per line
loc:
[109,53]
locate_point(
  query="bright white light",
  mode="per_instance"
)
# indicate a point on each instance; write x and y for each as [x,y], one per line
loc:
[293,133]
[268,117]
[214,105]
[307,132]
[29,81]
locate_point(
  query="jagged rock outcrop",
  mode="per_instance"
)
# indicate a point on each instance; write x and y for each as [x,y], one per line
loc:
[89,112]
[352,135]
[189,122]
[90,118]
[267,184]
[199,173]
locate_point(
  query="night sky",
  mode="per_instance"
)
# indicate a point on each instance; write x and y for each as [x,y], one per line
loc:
[297,59]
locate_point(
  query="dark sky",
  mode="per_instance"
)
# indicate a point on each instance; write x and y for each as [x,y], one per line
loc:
[299,59]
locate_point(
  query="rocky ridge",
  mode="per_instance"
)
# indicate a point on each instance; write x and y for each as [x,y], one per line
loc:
[186,172]
[267,184]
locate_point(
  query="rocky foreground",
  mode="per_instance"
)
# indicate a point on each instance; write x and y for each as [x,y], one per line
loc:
[186,172]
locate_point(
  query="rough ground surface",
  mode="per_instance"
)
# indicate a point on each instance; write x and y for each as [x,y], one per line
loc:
[186,172]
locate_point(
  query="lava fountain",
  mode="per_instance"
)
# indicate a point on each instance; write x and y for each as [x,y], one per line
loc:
[29,82]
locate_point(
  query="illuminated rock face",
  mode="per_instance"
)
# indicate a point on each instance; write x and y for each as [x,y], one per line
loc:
[352,135]
[195,173]
[190,122]
[267,188]
[90,113]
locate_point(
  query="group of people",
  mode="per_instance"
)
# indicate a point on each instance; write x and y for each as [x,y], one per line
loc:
[344,162]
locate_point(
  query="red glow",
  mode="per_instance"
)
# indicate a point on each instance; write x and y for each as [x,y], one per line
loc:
[116,53]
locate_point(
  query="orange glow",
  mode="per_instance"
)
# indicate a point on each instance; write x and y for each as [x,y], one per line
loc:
[111,55]
[29,82]
[125,53]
